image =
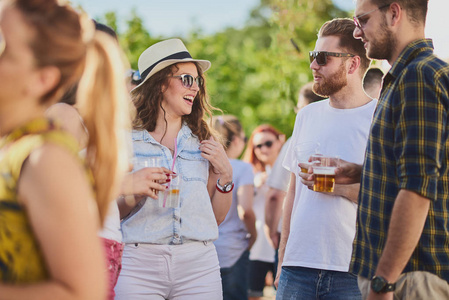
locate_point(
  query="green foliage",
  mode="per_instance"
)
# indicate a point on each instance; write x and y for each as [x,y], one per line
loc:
[256,71]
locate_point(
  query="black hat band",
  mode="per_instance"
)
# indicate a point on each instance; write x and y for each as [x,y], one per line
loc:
[179,55]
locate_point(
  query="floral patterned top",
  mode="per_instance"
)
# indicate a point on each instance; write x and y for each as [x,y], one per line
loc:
[21,260]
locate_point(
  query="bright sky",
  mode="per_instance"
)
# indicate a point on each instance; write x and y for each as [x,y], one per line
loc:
[172,18]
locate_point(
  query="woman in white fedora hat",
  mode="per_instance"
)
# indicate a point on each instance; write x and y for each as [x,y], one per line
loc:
[169,252]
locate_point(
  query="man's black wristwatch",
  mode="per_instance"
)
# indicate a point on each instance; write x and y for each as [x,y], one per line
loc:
[380,285]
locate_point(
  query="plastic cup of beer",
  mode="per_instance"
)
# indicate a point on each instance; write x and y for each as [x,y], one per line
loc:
[304,150]
[170,197]
[324,173]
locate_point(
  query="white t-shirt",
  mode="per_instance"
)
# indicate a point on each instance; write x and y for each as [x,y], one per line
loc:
[262,249]
[279,177]
[322,227]
[111,227]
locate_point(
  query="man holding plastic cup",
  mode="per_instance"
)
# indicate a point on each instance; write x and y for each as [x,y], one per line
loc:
[319,227]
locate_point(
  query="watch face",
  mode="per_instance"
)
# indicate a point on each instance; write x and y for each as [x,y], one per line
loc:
[228,187]
[378,284]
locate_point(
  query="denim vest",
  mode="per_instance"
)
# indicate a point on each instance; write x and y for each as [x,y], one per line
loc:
[194,219]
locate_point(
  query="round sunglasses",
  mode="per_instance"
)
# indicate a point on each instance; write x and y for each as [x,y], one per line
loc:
[187,80]
[267,144]
[321,56]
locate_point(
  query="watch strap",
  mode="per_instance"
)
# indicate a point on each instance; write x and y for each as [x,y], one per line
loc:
[381,285]
[223,189]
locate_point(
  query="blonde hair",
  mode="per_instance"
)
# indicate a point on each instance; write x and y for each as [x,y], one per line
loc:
[67,40]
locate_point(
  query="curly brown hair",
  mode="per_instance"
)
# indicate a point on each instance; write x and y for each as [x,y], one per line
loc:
[148,101]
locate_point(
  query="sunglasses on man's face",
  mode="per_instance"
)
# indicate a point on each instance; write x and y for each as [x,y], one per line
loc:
[187,80]
[267,144]
[321,56]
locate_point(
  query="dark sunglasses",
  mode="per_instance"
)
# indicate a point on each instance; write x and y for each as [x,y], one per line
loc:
[321,56]
[267,144]
[187,80]
[360,23]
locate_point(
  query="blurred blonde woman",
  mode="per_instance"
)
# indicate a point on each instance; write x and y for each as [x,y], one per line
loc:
[52,203]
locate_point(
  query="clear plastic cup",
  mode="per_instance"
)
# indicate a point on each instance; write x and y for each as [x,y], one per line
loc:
[170,197]
[304,150]
[324,173]
[146,162]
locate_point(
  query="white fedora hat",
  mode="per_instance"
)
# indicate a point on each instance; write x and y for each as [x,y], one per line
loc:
[164,54]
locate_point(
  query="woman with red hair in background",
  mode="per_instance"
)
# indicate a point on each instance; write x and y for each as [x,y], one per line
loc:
[262,150]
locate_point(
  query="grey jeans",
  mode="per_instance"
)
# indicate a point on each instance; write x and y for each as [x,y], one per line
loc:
[413,286]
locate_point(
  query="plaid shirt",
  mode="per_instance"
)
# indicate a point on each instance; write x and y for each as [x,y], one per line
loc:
[407,149]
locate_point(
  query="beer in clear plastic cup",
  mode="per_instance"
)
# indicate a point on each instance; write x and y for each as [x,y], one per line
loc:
[324,174]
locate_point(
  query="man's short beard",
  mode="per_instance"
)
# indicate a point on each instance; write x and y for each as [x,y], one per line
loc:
[331,84]
[383,46]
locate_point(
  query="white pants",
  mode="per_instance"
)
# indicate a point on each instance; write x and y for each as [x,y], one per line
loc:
[178,272]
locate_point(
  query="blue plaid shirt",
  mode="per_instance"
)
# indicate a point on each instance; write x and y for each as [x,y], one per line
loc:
[407,149]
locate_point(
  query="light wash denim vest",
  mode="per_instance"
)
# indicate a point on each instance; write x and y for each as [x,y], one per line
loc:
[194,219]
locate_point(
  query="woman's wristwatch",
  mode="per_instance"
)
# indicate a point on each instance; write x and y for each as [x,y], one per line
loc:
[226,188]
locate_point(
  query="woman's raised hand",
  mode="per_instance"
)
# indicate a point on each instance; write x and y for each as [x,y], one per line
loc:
[214,152]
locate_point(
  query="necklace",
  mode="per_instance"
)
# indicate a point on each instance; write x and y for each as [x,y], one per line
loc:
[169,148]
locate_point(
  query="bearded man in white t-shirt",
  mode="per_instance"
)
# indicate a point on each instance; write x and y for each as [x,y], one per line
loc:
[318,228]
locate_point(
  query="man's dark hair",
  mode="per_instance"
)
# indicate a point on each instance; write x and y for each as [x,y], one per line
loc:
[344,28]
[416,9]
[106,29]
[372,76]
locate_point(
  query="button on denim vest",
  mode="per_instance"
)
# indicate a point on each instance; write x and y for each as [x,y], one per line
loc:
[194,219]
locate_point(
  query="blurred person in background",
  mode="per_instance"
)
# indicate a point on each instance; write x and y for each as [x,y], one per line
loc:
[133,79]
[279,178]
[372,82]
[53,202]
[67,114]
[262,150]
[237,233]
